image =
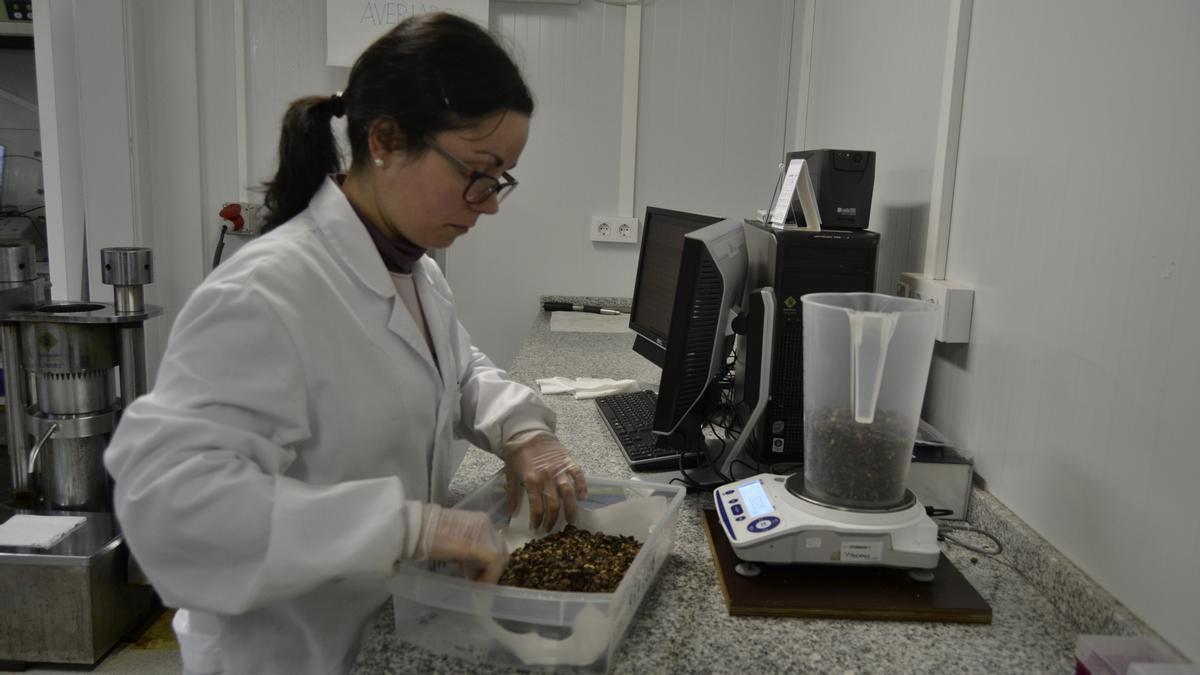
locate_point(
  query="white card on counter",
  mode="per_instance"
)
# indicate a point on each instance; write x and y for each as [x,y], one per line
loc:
[586,322]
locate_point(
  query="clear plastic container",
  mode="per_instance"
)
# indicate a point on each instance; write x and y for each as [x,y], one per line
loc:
[1114,654]
[866,360]
[437,609]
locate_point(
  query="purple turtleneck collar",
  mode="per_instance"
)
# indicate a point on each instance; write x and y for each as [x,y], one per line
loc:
[399,255]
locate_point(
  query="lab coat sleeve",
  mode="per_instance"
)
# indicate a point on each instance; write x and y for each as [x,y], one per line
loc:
[197,465]
[494,408]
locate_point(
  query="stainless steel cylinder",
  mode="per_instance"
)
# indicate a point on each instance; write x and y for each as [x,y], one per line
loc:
[132,346]
[16,263]
[127,269]
[14,410]
[128,299]
[68,348]
[71,474]
[71,394]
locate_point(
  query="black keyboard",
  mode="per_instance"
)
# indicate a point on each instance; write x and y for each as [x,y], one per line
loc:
[629,417]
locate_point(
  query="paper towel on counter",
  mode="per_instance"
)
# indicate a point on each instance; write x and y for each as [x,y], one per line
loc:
[37,531]
[585,387]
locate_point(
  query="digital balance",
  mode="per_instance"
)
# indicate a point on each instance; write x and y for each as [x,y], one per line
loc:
[765,522]
[866,360]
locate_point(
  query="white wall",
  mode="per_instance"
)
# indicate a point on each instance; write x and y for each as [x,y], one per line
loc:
[876,79]
[62,152]
[708,71]
[285,59]
[712,112]
[572,57]
[19,129]
[714,107]
[1075,220]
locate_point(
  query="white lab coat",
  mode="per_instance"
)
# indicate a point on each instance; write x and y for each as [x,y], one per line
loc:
[266,483]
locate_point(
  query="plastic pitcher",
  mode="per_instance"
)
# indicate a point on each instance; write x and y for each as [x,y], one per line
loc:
[866,361]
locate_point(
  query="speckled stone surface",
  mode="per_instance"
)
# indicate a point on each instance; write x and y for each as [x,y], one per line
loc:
[684,626]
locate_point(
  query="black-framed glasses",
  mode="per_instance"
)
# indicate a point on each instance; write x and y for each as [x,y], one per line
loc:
[480,186]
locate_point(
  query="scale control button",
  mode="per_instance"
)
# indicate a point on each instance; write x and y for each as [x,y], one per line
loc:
[740,518]
[763,524]
[737,509]
[729,492]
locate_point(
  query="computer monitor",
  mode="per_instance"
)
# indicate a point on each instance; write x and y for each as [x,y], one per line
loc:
[690,281]
[663,232]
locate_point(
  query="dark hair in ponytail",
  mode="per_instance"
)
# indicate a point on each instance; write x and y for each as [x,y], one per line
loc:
[431,73]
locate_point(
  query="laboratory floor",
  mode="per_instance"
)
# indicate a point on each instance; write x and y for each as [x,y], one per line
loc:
[155,652]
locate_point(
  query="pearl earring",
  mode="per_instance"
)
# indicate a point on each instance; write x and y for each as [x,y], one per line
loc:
[378,162]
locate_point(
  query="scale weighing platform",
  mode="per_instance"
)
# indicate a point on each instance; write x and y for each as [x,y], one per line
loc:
[766,522]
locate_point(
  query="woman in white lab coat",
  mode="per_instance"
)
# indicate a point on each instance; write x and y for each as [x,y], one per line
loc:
[298,442]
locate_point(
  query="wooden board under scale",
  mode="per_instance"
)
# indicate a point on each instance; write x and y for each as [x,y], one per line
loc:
[844,592]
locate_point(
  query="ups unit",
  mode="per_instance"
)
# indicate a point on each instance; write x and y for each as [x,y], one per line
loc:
[793,262]
[843,182]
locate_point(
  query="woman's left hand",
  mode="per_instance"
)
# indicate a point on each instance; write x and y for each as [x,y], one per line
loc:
[544,468]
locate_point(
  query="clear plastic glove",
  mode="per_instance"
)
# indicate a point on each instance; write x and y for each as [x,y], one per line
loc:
[541,467]
[467,537]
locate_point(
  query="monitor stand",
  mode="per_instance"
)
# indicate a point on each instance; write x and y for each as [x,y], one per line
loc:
[723,453]
[705,477]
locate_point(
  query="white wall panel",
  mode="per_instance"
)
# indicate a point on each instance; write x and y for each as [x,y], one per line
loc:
[876,80]
[285,59]
[713,106]
[105,128]
[712,109]
[572,57]
[216,82]
[714,102]
[19,129]
[62,148]
[168,157]
[1075,220]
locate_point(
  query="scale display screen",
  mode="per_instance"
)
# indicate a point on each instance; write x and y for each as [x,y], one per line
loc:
[755,498]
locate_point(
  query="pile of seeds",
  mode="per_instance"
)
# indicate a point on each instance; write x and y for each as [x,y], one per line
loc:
[857,465]
[572,560]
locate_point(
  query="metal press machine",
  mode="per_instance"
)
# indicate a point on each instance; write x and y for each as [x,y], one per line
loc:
[69,368]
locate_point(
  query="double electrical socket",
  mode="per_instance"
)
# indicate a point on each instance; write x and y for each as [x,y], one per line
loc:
[956,300]
[614,229]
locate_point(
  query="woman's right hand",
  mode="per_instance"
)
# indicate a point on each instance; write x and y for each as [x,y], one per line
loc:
[461,536]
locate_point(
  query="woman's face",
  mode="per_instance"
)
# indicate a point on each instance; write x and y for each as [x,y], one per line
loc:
[421,197]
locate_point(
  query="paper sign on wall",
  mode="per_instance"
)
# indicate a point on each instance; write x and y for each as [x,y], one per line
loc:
[352,25]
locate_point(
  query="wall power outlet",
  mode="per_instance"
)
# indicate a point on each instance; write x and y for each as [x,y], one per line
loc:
[614,229]
[241,217]
[956,300]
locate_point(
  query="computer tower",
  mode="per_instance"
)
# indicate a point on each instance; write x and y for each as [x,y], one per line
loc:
[843,181]
[793,262]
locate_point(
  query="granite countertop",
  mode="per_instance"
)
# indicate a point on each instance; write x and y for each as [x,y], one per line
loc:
[684,626]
